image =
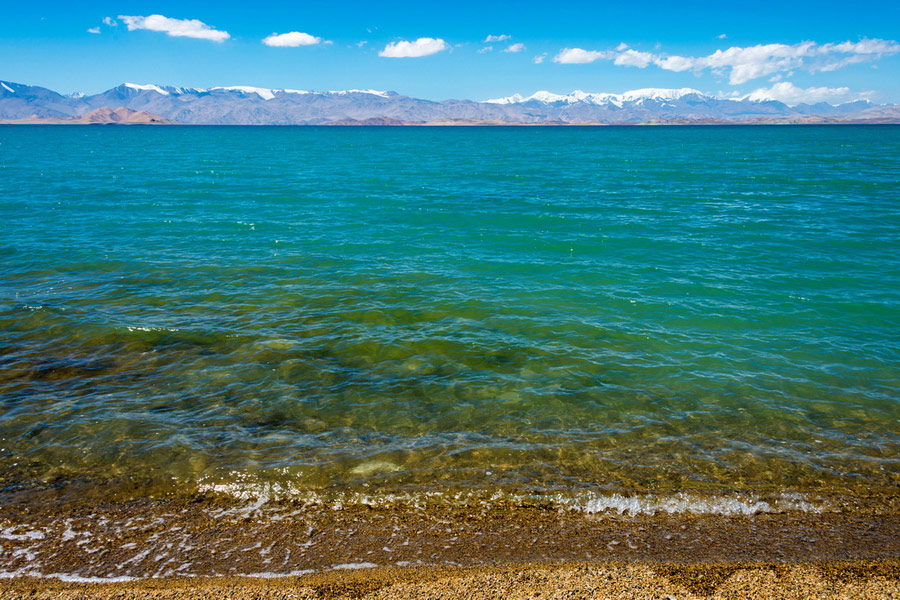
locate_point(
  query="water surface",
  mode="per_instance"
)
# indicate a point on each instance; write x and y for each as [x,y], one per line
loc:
[358,310]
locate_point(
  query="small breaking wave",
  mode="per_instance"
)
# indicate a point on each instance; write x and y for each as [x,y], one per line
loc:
[258,495]
[694,504]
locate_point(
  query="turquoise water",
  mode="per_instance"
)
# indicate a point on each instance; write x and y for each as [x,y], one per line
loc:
[450,308]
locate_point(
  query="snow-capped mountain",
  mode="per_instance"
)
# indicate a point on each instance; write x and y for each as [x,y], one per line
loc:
[264,93]
[578,96]
[248,105]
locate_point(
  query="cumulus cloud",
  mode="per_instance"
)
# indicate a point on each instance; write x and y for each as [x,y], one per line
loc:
[633,58]
[191,28]
[787,92]
[540,58]
[579,56]
[721,36]
[743,64]
[94,30]
[421,47]
[292,39]
[515,48]
[497,38]
[486,49]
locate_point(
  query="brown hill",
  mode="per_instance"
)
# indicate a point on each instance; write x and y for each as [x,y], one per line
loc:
[100,116]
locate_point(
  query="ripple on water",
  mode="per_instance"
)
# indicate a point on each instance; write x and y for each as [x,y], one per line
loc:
[404,309]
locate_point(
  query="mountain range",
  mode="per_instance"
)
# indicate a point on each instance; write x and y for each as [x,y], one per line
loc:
[244,105]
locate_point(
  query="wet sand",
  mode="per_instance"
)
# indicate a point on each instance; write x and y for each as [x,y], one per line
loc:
[179,538]
[660,581]
[834,546]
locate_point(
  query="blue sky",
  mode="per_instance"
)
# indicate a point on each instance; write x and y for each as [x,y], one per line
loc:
[791,51]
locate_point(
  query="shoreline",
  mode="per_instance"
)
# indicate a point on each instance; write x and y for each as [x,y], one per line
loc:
[635,580]
[192,537]
[497,124]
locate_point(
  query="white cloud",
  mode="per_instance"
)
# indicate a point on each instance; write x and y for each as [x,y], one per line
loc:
[361,43]
[743,64]
[540,58]
[721,36]
[674,63]
[497,38]
[633,58]
[421,47]
[94,30]
[110,22]
[578,56]
[486,49]
[865,46]
[292,39]
[191,28]
[622,46]
[752,62]
[787,92]
[515,48]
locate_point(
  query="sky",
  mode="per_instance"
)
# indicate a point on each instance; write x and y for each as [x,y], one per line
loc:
[791,51]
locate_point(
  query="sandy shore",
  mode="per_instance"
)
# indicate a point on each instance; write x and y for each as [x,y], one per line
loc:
[643,581]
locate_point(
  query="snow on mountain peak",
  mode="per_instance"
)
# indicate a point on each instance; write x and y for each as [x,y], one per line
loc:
[514,99]
[147,88]
[371,92]
[658,94]
[264,93]
[598,98]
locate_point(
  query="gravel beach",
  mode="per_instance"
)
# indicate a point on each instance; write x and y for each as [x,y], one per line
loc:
[855,580]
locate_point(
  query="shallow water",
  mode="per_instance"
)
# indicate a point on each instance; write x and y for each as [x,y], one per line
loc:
[421,309]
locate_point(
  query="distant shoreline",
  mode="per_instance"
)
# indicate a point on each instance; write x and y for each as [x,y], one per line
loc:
[479,124]
[246,105]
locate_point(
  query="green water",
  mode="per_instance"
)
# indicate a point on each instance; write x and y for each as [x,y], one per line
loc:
[545,309]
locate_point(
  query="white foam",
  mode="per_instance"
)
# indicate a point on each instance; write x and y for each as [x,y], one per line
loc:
[361,565]
[140,328]
[136,558]
[263,495]
[267,575]
[66,577]
[246,489]
[19,573]
[796,502]
[694,504]
[28,535]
